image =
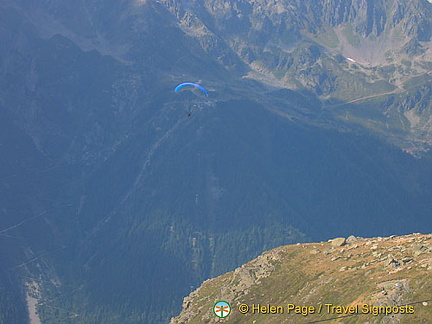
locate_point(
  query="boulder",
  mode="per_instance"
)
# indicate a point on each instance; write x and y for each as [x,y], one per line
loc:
[351,239]
[328,251]
[340,241]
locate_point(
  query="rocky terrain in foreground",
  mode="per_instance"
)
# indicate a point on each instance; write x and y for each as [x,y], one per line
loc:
[339,281]
[115,204]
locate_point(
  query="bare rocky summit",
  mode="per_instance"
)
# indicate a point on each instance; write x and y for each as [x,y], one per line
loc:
[344,280]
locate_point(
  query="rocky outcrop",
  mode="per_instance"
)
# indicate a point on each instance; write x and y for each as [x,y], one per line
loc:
[390,271]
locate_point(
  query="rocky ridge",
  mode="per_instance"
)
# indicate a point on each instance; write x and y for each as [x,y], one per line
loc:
[391,271]
[343,51]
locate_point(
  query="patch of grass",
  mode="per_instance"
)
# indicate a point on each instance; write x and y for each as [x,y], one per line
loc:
[328,38]
[351,36]
[417,81]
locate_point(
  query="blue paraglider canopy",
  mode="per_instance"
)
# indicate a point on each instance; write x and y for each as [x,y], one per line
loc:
[185,84]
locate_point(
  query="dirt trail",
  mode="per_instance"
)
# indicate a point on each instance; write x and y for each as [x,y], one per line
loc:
[31,307]
[146,163]
[398,90]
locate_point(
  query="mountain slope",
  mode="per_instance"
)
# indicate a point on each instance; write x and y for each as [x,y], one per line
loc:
[324,282]
[343,51]
[120,200]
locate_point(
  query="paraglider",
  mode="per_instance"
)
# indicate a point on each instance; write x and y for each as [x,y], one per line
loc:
[187,84]
[192,95]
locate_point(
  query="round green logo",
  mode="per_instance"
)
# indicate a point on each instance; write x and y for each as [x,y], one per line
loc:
[222,309]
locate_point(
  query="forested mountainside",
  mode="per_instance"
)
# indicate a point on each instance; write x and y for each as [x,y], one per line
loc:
[316,125]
